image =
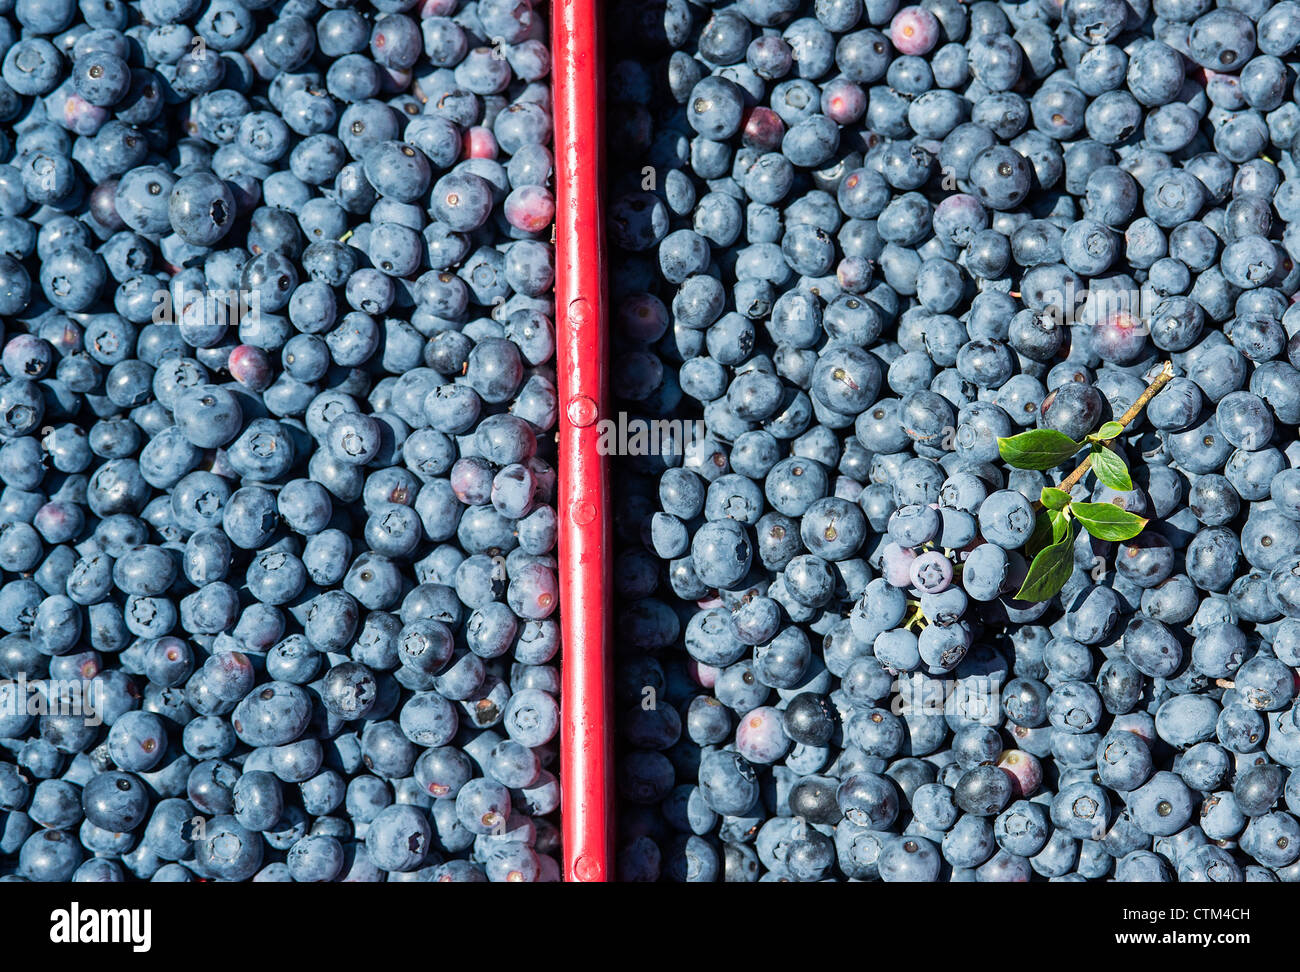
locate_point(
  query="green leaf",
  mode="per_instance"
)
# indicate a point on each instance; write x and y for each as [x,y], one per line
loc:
[1050,568]
[1042,535]
[1053,498]
[1108,431]
[1060,523]
[1106,521]
[1110,469]
[1037,449]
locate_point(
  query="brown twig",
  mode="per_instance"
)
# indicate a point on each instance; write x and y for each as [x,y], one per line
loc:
[1134,410]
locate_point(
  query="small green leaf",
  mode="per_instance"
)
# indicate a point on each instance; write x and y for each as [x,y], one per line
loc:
[1060,523]
[1110,469]
[1106,521]
[1108,431]
[1053,498]
[1042,535]
[1050,568]
[1037,449]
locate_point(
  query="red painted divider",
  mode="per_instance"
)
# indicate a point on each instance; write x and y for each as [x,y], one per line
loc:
[584,506]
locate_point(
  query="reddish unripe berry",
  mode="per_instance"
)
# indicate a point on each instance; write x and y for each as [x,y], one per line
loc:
[67,340]
[1119,337]
[761,737]
[480,143]
[843,101]
[763,130]
[533,592]
[56,520]
[81,117]
[914,30]
[471,481]
[530,208]
[854,274]
[896,565]
[251,367]
[1025,770]
[231,674]
[704,675]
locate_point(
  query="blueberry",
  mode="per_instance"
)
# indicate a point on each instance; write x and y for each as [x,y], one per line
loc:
[115,801]
[229,851]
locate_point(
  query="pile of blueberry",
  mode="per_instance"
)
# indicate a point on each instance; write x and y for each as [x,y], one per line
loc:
[888,268]
[277,528]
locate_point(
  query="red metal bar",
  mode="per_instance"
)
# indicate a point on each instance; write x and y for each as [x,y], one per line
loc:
[585,534]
